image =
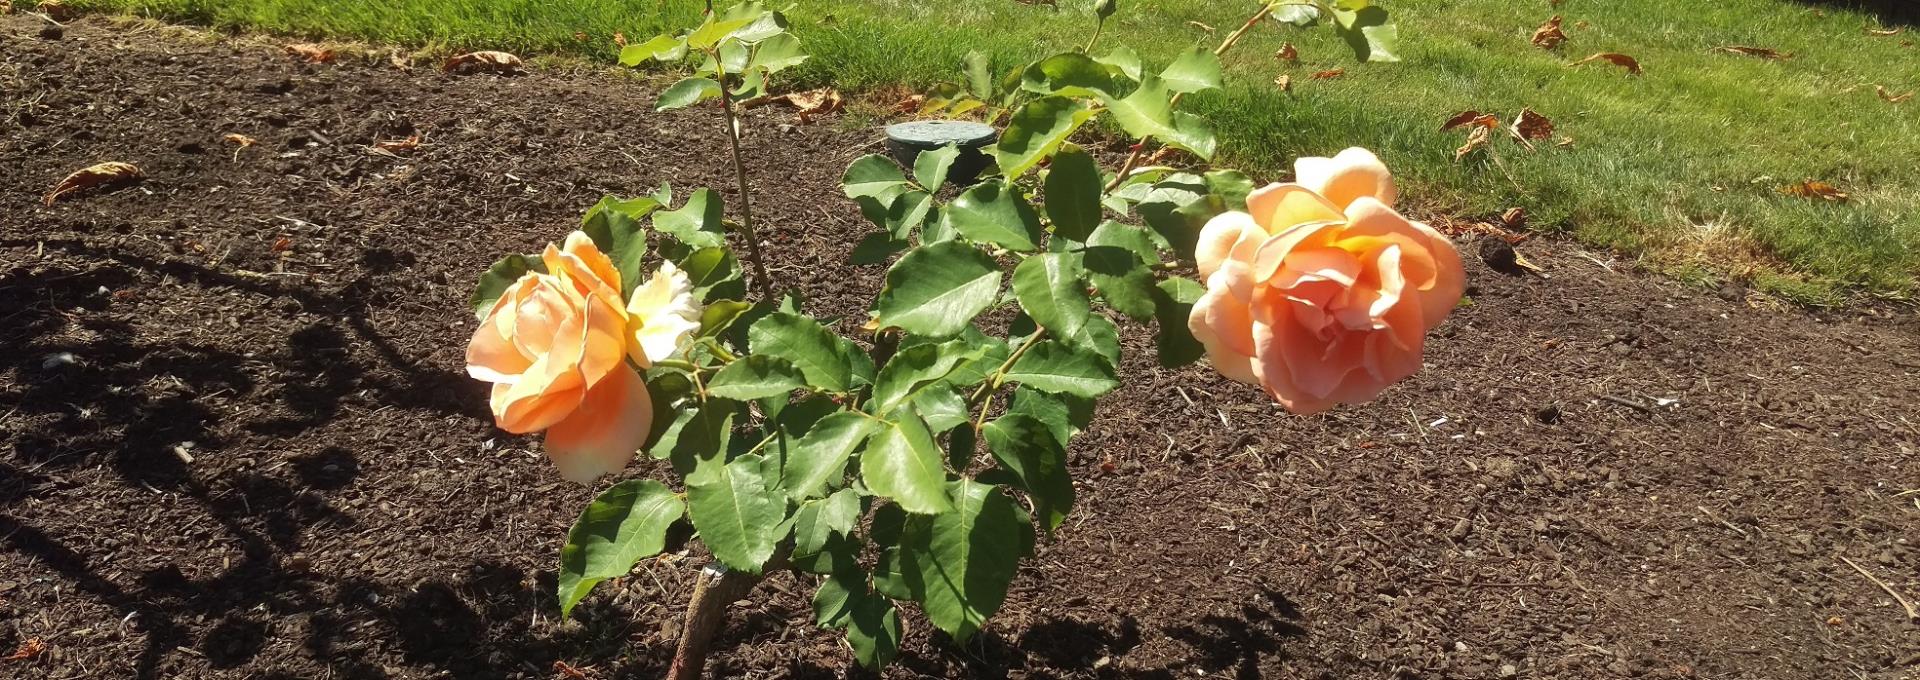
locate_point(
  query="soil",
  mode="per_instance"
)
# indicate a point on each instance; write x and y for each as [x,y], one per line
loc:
[238,440]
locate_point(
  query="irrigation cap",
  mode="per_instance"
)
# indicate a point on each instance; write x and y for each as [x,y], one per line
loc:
[907,140]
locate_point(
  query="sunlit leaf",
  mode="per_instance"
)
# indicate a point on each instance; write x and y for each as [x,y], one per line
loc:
[936,290]
[736,514]
[903,463]
[623,525]
[993,212]
[1036,130]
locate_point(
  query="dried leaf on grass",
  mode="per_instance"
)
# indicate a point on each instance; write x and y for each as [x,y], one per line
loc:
[1882,32]
[1200,26]
[1329,73]
[1476,140]
[311,53]
[94,176]
[1890,96]
[1549,35]
[27,650]
[1514,218]
[6,6]
[1751,51]
[1284,82]
[1815,189]
[1617,59]
[483,61]
[1530,126]
[910,104]
[1288,53]
[620,38]
[408,144]
[1471,117]
[56,10]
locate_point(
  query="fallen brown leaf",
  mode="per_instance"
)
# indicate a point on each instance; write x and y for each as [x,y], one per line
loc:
[1200,26]
[27,650]
[1284,82]
[1470,117]
[484,61]
[1475,140]
[1629,63]
[1564,143]
[1891,97]
[312,53]
[1883,32]
[567,670]
[408,144]
[910,104]
[815,102]
[1815,189]
[56,10]
[1329,73]
[237,138]
[6,6]
[1514,218]
[1761,52]
[620,39]
[1288,53]
[1529,126]
[1549,35]
[94,176]
[399,61]
[580,36]
[282,244]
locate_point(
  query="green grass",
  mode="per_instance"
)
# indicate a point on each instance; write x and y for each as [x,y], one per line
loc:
[1683,163]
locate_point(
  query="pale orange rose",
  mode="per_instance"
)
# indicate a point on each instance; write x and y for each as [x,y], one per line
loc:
[556,345]
[1321,293]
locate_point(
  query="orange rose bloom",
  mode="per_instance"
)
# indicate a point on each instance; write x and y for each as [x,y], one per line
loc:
[1321,293]
[555,346]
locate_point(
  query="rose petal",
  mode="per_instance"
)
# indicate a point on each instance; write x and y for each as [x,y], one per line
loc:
[1276,376]
[1277,207]
[1346,177]
[602,435]
[1222,322]
[491,355]
[1221,237]
[661,314]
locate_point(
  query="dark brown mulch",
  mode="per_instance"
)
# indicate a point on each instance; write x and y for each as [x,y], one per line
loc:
[239,443]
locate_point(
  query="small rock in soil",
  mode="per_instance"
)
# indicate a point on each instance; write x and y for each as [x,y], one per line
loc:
[52,32]
[1499,255]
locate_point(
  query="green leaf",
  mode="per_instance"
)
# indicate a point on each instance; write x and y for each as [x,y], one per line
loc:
[687,92]
[993,212]
[1050,290]
[936,290]
[1064,415]
[1073,193]
[942,408]
[763,26]
[736,515]
[873,175]
[777,54]
[979,74]
[1370,32]
[1124,60]
[714,30]
[1035,131]
[1297,15]
[901,214]
[710,267]
[1177,346]
[1232,186]
[701,223]
[916,368]
[1069,74]
[832,602]
[721,314]
[873,630]
[623,525]
[930,167]
[499,277]
[972,554]
[875,248]
[902,463]
[1053,366]
[1195,70]
[756,377]
[1028,449]
[1098,335]
[821,456]
[816,526]
[661,48]
[1116,259]
[698,447]
[1148,113]
[816,351]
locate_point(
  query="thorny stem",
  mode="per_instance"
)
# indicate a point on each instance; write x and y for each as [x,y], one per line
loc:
[760,277]
[1140,150]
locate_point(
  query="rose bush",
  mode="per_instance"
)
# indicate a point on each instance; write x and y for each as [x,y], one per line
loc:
[1320,292]
[555,347]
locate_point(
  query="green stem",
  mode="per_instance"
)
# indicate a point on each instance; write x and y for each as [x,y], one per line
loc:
[999,375]
[1095,40]
[764,283]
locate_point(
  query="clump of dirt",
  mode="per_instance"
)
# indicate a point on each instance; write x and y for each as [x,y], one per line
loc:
[239,442]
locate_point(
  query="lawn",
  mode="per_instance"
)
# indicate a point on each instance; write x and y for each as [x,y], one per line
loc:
[1684,163]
